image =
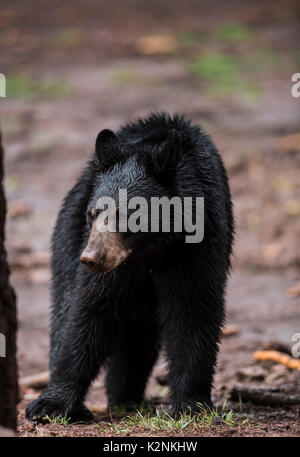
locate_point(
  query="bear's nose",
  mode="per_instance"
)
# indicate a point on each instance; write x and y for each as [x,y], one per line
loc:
[90,259]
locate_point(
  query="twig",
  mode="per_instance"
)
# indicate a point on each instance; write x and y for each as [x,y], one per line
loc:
[36,380]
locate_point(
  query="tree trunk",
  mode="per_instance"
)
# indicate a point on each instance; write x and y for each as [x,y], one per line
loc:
[8,326]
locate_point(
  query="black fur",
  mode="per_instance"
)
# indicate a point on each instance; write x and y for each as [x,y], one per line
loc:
[166,294]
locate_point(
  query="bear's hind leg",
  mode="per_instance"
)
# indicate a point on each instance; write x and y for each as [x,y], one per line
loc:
[130,365]
[192,314]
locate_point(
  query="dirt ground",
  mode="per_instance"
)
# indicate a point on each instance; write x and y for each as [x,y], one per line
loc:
[83,66]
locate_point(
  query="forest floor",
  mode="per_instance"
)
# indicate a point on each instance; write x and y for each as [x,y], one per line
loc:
[75,71]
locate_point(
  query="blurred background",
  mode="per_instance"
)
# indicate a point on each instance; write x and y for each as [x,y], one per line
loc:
[74,68]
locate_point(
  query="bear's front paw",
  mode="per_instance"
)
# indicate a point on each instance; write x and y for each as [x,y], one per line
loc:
[50,405]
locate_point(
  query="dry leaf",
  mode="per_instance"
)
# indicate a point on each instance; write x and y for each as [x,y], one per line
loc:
[272,251]
[292,208]
[18,208]
[159,44]
[255,372]
[294,291]
[230,330]
[289,143]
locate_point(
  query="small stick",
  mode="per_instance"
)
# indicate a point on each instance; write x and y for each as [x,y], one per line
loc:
[35,380]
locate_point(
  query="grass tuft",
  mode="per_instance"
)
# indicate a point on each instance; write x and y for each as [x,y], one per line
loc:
[68,37]
[162,421]
[124,76]
[233,32]
[58,420]
[224,73]
[23,86]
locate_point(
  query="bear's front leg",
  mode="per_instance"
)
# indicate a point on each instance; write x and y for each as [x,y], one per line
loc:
[192,313]
[83,349]
[54,402]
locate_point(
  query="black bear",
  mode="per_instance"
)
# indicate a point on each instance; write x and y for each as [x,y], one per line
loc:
[119,297]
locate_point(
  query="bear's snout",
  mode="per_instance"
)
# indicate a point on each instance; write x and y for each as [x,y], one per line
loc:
[90,259]
[96,263]
[103,252]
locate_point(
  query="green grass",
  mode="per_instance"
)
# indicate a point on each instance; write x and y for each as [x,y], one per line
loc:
[229,32]
[233,32]
[23,86]
[188,38]
[124,76]
[162,421]
[12,184]
[224,73]
[58,420]
[68,37]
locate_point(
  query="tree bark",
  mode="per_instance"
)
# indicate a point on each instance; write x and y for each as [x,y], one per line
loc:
[8,326]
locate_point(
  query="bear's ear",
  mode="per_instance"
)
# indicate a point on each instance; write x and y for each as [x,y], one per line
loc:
[165,158]
[107,146]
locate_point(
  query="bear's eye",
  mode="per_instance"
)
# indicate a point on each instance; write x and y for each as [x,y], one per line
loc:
[92,214]
[89,218]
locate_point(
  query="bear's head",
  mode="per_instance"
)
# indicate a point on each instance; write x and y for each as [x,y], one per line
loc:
[120,215]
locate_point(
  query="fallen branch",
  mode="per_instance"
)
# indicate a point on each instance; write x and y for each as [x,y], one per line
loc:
[35,380]
[263,396]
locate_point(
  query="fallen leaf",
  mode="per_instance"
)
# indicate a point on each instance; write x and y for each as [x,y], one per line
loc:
[253,372]
[159,44]
[292,208]
[272,251]
[18,208]
[288,143]
[294,291]
[230,330]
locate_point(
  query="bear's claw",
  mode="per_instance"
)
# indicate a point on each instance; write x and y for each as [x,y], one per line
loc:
[38,409]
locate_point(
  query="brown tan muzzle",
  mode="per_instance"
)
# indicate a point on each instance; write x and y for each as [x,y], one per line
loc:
[104,250]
